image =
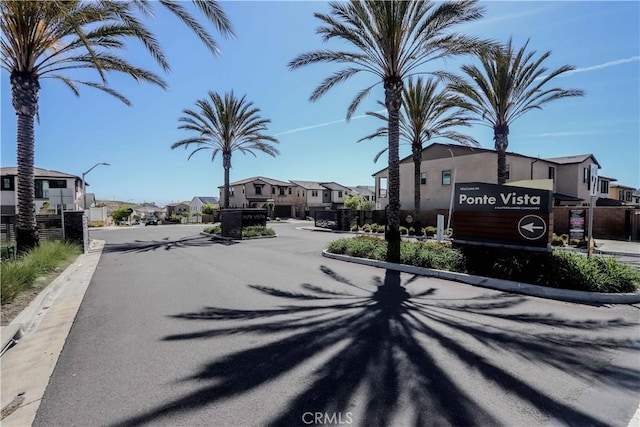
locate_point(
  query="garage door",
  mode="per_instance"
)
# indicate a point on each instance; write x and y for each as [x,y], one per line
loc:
[283,211]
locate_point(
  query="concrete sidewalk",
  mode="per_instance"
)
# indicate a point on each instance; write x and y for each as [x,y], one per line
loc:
[617,247]
[42,330]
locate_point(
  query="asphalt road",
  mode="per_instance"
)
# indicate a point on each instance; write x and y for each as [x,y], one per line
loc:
[176,329]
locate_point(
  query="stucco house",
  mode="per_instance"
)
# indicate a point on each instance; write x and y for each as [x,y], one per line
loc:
[623,194]
[52,187]
[260,192]
[198,202]
[312,196]
[176,209]
[445,164]
[366,191]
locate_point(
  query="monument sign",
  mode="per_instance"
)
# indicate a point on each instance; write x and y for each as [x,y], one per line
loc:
[502,215]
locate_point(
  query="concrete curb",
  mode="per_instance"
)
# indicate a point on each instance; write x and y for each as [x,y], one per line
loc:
[498,284]
[26,320]
[46,323]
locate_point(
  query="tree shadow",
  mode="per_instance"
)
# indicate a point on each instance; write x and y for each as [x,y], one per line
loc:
[139,246]
[387,350]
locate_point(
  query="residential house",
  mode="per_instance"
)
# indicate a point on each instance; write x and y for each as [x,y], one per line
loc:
[312,196]
[334,194]
[366,191]
[622,193]
[445,164]
[51,187]
[260,192]
[176,209]
[199,201]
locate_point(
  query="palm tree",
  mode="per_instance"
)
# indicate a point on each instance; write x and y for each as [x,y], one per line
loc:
[211,10]
[225,125]
[391,40]
[427,114]
[47,39]
[508,85]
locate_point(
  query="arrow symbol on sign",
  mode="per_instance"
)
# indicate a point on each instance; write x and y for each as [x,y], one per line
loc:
[530,227]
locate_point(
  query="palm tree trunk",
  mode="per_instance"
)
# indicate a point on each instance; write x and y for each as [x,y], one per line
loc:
[24,91]
[226,164]
[416,151]
[393,101]
[501,138]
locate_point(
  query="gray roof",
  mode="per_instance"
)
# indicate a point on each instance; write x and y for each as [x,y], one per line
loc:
[334,186]
[38,172]
[358,188]
[309,185]
[269,181]
[567,160]
[208,199]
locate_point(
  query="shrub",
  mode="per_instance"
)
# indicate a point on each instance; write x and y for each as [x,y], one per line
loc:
[96,224]
[412,231]
[257,231]
[19,275]
[421,254]
[355,227]
[557,240]
[560,269]
[596,274]
[367,228]
[216,229]
[403,230]
[429,231]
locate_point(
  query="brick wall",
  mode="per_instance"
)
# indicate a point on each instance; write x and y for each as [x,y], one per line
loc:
[609,222]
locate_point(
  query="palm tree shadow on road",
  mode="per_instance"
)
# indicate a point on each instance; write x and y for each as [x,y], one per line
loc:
[385,347]
[139,246]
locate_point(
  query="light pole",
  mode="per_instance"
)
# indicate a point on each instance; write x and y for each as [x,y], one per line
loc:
[453,187]
[84,186]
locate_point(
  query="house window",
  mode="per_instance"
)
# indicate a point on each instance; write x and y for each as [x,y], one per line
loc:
[585,175]
[39,189]
[273,190]
[604,187]
[423,178]
[507,172]
[627,196]
[258,189]
[446,177]
[382,189]
[7,183]
[289,191]
[339,194]
[57,183]
[552,173]
[314,193]
[231,192]
[281,191]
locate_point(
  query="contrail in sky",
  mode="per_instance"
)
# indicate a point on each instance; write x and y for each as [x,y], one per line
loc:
[319,125]
[577,70]
[605,65]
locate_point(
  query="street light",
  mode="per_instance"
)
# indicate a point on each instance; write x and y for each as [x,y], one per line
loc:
[453,187]
[84,186]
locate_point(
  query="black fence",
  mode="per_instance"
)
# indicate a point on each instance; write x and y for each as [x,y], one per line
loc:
[49,228]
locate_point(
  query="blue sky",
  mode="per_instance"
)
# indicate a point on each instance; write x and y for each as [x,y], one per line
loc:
[601,39]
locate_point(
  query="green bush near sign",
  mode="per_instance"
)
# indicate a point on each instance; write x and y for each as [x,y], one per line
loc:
[558,269]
